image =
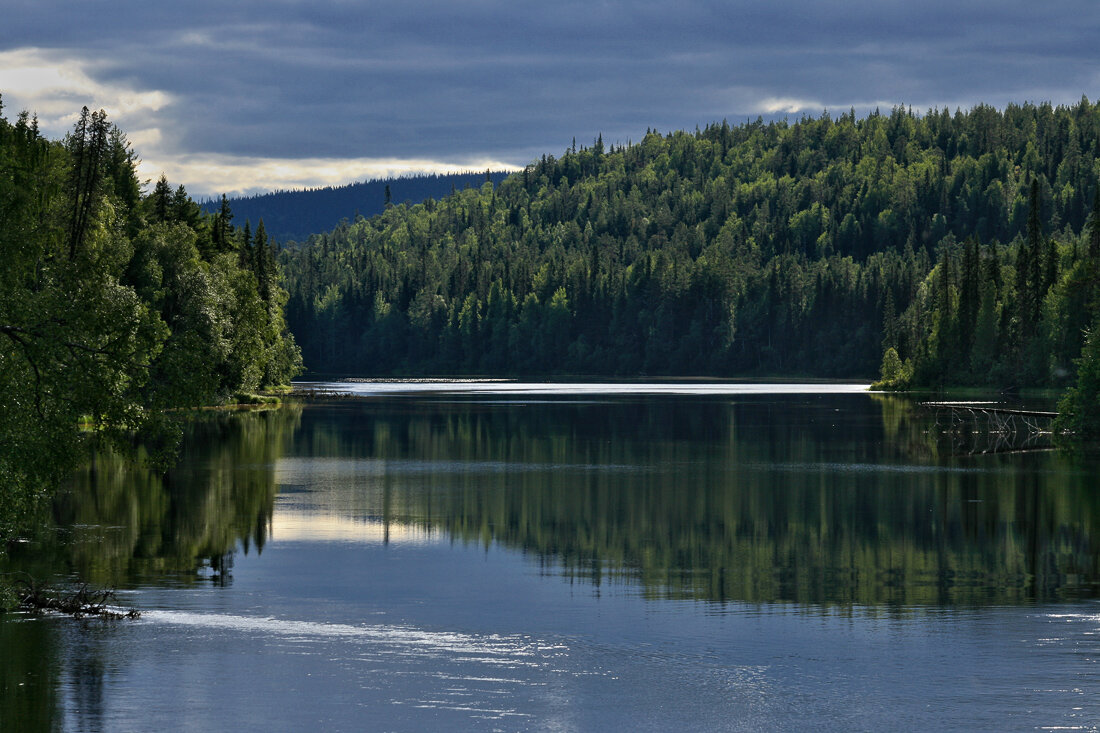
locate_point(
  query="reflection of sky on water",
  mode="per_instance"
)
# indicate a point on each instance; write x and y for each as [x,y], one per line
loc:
[290,525]
[438,636]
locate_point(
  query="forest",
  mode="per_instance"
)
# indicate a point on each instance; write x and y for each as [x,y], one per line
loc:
[933,249]
[962,247]
[117,305]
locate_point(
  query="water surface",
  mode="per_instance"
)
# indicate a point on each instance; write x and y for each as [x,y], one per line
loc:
[498,556]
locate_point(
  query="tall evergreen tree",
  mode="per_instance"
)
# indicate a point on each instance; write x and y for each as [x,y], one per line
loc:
[262,262]
[1094,229]
[162,200]
[221,232]
[1028,268]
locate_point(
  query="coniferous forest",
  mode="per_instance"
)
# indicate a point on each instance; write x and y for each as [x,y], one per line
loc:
[959,245]
[936,249]
[116,304]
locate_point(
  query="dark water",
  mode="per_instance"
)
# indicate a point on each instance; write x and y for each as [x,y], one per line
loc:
[557,559]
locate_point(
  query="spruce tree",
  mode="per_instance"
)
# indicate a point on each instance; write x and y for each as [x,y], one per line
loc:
[220,235]
[262,262]
[162,200]
[1094,229]
[244,251]
[1028,268]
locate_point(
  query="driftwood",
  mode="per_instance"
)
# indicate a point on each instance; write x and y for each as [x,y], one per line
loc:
[80,602]
[984,427]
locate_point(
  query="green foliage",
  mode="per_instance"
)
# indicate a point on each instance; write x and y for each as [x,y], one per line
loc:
[9,598]
[761,248]
[976,321]
[1080,407]
[893,374]
[108,312]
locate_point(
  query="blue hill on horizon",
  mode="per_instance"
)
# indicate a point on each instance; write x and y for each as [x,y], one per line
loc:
[294,215]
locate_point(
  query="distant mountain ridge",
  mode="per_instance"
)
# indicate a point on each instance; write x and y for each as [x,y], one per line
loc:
[294,215]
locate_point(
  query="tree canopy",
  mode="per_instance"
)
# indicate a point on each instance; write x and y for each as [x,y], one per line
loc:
[115,305]
[796,248]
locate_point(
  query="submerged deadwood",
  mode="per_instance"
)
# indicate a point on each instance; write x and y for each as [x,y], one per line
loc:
[79,603]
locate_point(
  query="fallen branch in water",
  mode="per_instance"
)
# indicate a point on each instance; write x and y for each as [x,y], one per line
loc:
[84,601]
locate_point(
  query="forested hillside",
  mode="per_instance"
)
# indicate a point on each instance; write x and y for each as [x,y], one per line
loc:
[115,304]
[766,248]
[294,215]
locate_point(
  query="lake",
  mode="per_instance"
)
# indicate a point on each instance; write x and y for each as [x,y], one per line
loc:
[503,556]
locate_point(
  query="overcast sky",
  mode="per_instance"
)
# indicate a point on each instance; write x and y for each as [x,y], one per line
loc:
[248,95]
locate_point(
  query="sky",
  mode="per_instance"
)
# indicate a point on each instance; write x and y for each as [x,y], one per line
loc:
[247,96]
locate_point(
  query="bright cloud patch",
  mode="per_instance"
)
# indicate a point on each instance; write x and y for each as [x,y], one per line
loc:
[55,87]
[211,175]
[787,105]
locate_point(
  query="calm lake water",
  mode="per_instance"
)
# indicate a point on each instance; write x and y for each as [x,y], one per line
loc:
[500,556]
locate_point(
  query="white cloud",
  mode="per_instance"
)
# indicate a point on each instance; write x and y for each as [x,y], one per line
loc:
[55,87]
[210,175]
[787,105]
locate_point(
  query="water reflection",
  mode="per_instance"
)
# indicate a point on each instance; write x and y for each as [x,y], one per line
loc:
[812,499]
[120,522]
[844,505]
[28,676]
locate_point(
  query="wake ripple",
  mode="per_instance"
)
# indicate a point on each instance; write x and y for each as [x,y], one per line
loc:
[509,649]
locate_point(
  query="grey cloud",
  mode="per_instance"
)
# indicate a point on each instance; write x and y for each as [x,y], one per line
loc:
[448,80]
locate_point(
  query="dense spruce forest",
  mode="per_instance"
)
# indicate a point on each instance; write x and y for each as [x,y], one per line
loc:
[294,215]
[116,304]
[961,244]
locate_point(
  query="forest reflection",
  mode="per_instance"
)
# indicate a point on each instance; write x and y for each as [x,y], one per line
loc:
[848,499]
[813,499]
[121,522]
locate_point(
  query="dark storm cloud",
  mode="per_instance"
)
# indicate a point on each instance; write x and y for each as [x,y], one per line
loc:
[447,80]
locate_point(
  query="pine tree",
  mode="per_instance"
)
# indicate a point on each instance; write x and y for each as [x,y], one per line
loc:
[1050,267]
[889,321]
[184,210]
[969,295]
[1080,408]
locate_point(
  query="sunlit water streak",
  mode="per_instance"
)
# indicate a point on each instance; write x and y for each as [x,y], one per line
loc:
[408,666]
[488,649]
[566,389]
